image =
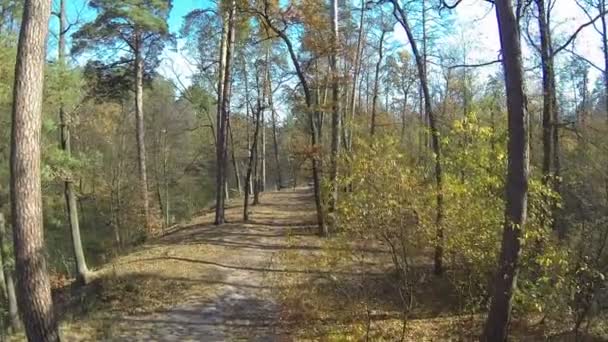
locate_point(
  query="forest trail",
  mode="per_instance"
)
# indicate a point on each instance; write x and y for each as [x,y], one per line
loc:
[226,290]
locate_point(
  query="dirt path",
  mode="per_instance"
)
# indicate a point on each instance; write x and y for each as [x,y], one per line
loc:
[235,298]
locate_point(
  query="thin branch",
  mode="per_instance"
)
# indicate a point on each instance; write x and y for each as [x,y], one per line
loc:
[585,59]
[477,65]
[575,34]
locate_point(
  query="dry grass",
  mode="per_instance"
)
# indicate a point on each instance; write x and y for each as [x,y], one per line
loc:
[151,278]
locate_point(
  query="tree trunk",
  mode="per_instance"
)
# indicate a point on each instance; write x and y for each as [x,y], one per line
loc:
[222,146]
[262,155]
[34,290]
[139,122]
[406,92]
[496,327]
[336,117]
[235,164]
[357,69]
[82,271]
[421,67]
[275,140]
[252,157]
[7,272]
[376,83]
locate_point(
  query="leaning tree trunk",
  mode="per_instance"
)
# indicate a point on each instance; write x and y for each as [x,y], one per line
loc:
[82,271]
[401,16]
[496,327]
[250,165]
[235,164]
[139,123]
[34,290]
[7,272]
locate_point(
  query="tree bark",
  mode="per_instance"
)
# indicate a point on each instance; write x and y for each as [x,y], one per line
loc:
[82,271]
[496,327]
[34,290]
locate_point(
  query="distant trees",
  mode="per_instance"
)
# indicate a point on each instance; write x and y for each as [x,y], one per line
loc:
[34,288]
[143,31]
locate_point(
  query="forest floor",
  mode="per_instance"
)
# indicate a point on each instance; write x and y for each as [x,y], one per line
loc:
[271,279]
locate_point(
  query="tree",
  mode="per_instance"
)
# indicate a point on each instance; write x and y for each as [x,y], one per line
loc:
[336,115]
[34,289]
[265,14]
[516,196]
[376,81]
[82,271]
[142,30]
[223,116]
[420,59]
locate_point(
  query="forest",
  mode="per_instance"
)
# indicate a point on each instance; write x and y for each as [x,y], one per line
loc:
[304,170]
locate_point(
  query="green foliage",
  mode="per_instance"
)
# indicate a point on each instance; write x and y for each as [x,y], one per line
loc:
[136,25]
[391,199]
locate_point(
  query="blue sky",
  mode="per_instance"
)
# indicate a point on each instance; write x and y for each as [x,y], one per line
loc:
[475,23]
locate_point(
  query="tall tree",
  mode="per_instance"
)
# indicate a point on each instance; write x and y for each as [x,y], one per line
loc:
[224,90]
[420,58]
[140,28]
[34,289]
[496,327]
[336,115]
[377,81]
[265,14]
[82,271]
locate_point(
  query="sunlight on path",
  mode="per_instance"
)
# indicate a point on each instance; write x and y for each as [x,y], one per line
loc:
[243,307]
